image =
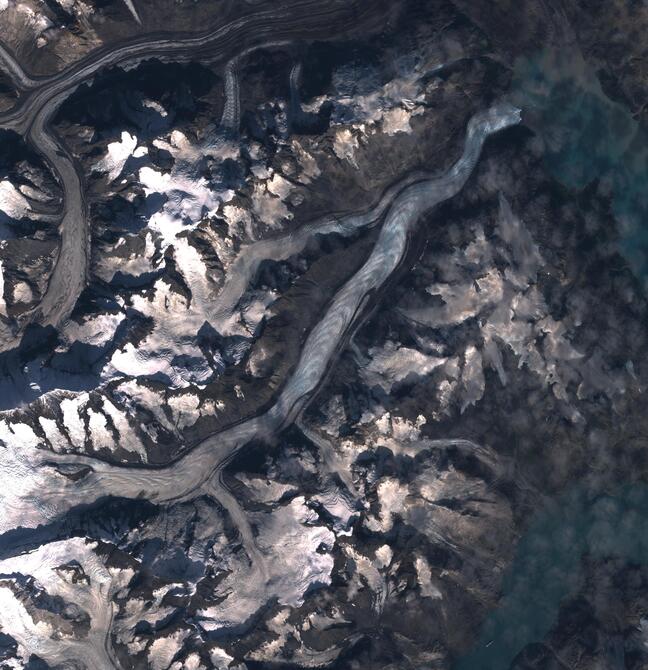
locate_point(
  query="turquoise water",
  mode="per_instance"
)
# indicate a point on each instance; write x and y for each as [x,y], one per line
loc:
[547,567]
[588,136]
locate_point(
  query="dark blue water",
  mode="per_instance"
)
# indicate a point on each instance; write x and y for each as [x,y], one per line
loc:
[588,136]
[547,567]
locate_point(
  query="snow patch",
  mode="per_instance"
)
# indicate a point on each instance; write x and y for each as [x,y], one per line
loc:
[12,202]
[118,153]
